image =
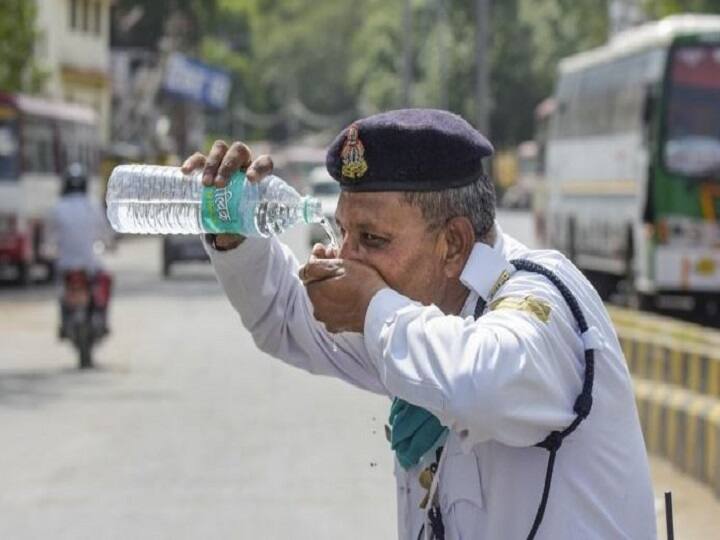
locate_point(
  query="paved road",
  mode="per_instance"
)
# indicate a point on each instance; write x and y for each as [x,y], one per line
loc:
[186,431]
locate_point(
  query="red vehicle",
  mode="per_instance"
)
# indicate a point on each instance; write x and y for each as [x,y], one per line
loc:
[84,311]
[38,138]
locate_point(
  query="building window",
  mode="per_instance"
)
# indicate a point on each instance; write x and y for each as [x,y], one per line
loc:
[73,14]
[97,18]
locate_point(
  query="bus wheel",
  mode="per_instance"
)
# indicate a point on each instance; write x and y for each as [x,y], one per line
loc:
[50,272]
[641,301]
[23,274]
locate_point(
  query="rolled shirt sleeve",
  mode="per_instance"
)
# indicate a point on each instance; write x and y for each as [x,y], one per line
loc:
[507,377]
[260,279]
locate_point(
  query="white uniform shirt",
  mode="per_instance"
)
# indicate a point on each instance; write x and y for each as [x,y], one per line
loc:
[75,225]
[501,384]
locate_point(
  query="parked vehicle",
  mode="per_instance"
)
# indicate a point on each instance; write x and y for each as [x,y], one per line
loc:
[83,308]
[38,139]
[181,248]
[633,164]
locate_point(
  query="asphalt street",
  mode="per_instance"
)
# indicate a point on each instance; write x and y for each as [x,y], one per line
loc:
[187,431]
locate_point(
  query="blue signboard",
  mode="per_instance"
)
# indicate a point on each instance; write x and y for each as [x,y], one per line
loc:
[194,81]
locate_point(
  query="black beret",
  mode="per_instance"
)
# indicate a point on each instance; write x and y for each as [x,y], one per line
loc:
[408,150]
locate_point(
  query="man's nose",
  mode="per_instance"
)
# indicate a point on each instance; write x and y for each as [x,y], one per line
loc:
[348,249]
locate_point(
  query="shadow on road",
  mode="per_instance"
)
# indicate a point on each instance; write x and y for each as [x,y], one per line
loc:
[185,283]
[37,388]
[188,284]
[32,293]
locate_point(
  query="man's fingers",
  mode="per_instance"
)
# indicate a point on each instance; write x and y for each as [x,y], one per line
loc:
[214,159]
[320,269]
[331,252]
[321,251]
[196,161]
[260,168]
[236,158]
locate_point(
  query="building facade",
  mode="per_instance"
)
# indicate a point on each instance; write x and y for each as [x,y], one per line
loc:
[73,48]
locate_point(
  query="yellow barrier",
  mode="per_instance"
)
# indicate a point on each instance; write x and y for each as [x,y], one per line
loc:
[676,373]
[663,355]
[682,426]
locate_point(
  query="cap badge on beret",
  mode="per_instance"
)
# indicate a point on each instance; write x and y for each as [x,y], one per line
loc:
[354,165]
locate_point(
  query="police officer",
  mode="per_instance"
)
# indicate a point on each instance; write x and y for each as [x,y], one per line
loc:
[486,348]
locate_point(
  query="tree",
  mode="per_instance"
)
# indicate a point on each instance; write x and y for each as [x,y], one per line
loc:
[376,57]
[289,54]
[18,70]
[528,38]
[303,51]
[526,53]
[662,8]
[346,56]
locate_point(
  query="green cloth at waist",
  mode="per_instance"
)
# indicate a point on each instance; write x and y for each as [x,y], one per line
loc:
[413,432]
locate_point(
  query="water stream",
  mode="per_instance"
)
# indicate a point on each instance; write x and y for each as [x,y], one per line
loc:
[334,245]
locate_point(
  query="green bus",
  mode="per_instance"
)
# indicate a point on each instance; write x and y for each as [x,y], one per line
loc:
[632,165]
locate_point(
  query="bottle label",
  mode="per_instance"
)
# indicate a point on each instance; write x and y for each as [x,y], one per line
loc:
[220,207]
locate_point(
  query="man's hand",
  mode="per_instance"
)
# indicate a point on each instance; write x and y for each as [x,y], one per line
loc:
[220,164]
[340,290]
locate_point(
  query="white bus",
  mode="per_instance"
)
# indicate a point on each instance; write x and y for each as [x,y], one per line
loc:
[633,164]
[38,139]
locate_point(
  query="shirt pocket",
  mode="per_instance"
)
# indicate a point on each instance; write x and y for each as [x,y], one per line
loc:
[461,498]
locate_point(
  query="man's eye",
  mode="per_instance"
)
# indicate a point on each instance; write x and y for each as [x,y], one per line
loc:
[372,240]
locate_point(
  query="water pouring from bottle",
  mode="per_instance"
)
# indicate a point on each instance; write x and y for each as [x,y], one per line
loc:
[325,224]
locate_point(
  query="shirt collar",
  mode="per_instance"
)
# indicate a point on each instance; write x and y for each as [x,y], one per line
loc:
[487,268]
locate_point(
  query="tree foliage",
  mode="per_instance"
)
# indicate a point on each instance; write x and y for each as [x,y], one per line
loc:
[346,57]
[662,8]
[17,41]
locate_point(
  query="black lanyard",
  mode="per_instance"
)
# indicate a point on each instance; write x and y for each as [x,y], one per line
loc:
[582,407]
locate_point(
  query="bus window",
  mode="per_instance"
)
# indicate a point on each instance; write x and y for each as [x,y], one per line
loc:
[692,116]
[8,151]
[565,120]
[72,144]
[606,98]
[629,93]
[38,148]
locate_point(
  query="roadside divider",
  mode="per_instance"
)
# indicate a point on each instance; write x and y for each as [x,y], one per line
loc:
[676,374]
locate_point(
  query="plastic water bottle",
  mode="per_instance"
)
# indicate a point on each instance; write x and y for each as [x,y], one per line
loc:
[151,199]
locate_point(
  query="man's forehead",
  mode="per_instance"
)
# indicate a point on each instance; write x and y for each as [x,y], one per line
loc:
[378,208]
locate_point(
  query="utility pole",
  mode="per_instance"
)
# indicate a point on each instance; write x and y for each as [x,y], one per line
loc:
[482,88]
[407,74]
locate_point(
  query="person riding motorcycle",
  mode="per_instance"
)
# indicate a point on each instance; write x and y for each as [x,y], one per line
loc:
[76,225]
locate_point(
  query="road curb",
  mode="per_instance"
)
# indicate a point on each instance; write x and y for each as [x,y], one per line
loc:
[675,368]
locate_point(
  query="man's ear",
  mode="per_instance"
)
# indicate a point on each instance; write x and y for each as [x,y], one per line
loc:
[459,241]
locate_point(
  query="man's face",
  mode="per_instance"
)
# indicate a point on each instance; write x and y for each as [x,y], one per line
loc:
[381,230]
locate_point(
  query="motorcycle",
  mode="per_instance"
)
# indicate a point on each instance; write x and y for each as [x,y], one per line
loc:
[83,308]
